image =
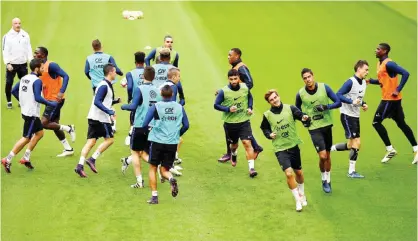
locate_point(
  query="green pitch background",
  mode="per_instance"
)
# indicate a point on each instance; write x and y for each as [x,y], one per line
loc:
[216,201]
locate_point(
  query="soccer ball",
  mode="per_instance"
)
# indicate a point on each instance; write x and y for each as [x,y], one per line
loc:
[126,14]
[123,82]
[131,15]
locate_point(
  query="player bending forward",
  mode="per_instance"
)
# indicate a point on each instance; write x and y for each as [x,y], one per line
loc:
[30,99]
[279,125]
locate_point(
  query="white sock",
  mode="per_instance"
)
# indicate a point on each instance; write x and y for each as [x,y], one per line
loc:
[9,102]
[234,153]
[389,148]
[10,156]
[129,160]
[26,156]
[177,155]
[415,148]
[66,145]
[139,179]
[130,130]
[65,128]
[323,176]
[154,193]
[295,193]
[352,167]
[301,188]
[250,164]
[82,160]
[328,175]
[96,155]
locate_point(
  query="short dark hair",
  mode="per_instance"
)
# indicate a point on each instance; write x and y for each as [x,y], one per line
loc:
[43,50]
[166,91]
[35,63]
[385,46]
[233,72]
[167,36]
[306,70]
[96,44]
[360,64]
[139,57]
[165,55]
[237,51]
[269,93]
[107,68]
[149,73]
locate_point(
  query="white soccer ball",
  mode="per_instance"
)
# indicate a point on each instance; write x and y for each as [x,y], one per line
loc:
[126,14]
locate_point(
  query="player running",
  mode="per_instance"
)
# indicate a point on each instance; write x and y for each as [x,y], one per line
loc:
[161,69]
[171,123]
[234,59]
[54,84]
[28,93]
[99,121]
[279,125]
[352,95]
[94,69]
[313,99]
[236,103]
[155,53]
[391,104]
[134,78]
[144,96]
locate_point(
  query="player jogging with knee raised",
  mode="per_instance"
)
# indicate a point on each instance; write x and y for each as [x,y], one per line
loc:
[352,95]
[99,121]
[28,93]
[54,84]
[391,104]
[279,125]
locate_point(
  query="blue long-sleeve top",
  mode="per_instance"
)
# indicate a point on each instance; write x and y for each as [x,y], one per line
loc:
[177,89]
[100,96]
[244,74]
[152,54]
[111,61]
[136,100]
[130,84]
[153,114]
[37,92]
[54,70]
[220,98]
[345,89]
[330,94]
[393,69]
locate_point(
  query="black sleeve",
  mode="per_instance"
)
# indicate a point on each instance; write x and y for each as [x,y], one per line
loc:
[266,128]
[297,114]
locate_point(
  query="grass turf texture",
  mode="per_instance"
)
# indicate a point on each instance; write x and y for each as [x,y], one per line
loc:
[216,201]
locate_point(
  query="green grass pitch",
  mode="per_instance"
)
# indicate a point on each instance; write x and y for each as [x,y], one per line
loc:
[216,201]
